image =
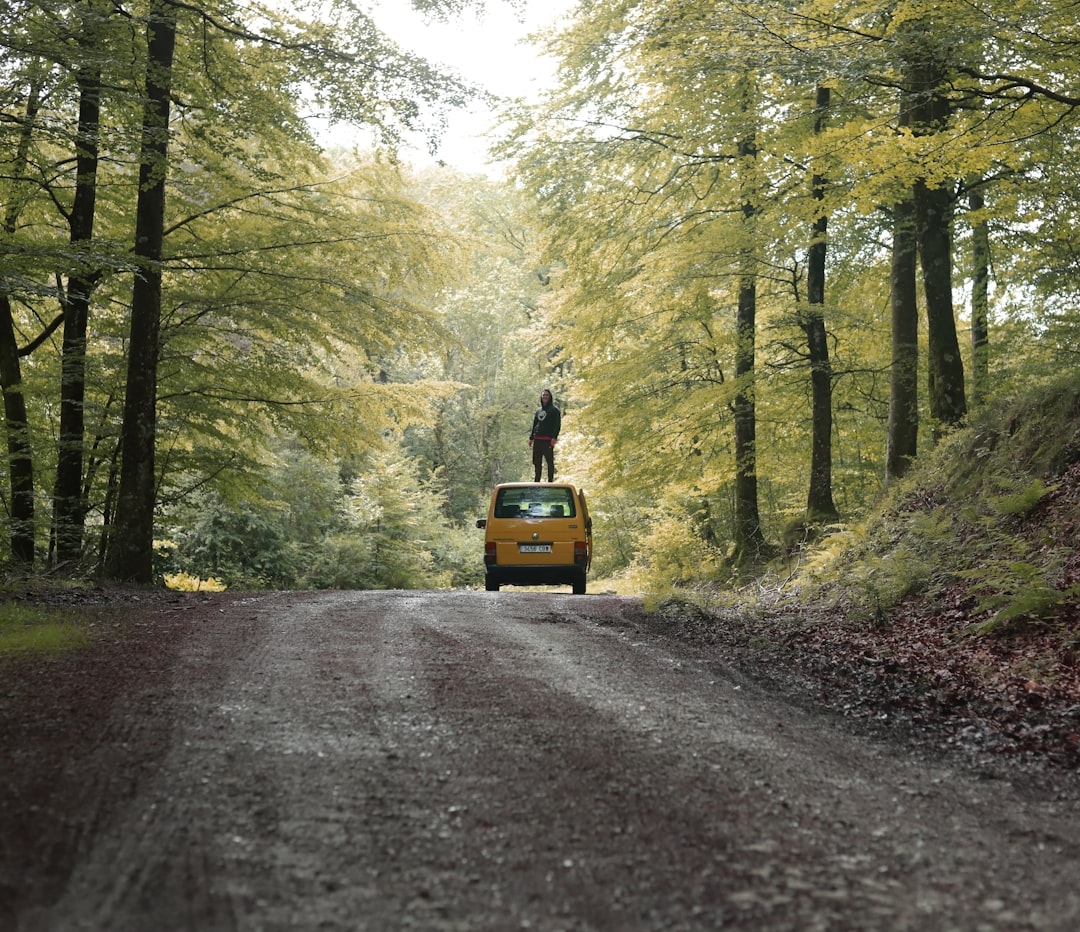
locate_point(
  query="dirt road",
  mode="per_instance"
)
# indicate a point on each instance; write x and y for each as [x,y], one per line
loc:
[482,761]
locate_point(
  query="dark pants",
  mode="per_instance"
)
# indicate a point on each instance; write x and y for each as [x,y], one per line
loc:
[543,450]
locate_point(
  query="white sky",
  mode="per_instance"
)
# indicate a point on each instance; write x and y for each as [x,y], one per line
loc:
[488,48]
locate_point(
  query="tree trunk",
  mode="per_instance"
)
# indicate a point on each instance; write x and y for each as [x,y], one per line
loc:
[69,503]
[945,375]
[749,540]
[903,430]
[820,507]
[16,423]
[131,544]
[20,455]
[750,543]
[980,302]
[929,114]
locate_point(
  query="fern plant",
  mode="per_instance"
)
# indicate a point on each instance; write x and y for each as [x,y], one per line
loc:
[1020,584]
[1024,499]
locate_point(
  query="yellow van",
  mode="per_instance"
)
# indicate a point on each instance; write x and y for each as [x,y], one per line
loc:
[538,533]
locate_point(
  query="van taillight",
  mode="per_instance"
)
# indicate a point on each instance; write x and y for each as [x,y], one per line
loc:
[489,552]
[581,551]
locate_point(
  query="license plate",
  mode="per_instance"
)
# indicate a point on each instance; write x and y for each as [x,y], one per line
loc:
[534,548]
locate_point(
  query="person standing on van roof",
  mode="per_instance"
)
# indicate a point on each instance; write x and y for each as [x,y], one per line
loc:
[547,421]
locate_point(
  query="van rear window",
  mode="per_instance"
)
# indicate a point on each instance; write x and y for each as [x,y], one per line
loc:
[535,502]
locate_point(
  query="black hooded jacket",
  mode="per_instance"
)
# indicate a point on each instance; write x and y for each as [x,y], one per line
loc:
[547,421]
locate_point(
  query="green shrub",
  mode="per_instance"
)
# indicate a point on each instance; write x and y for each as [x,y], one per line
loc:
[673,554]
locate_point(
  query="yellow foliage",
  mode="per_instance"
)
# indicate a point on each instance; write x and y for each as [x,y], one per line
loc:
[184,582]
[673,553]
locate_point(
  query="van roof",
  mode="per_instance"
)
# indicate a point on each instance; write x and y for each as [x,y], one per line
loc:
[535,485]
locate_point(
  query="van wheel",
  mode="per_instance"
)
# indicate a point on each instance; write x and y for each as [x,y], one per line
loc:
[579,586]
[491,586]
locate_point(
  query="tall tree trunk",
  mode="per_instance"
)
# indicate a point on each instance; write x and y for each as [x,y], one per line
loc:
[903,429]
[980,300]
[820,507]
[945,369]
[750,543]
[16,423]
[20,456]
[930,112]
[749,540]
[69,503]
[131,543]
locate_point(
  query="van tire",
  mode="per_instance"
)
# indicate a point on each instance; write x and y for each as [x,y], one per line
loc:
[491,586]
[579,585]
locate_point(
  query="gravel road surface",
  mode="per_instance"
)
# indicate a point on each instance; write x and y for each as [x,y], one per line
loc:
[482,761]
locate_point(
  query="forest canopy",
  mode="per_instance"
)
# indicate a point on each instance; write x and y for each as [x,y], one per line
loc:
[765,256]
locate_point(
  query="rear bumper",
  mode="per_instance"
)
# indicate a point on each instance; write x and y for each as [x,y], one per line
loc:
[558,574]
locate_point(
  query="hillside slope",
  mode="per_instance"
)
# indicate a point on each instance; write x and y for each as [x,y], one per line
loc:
[955,611]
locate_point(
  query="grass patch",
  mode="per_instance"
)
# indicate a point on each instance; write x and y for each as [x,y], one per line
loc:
[27,629]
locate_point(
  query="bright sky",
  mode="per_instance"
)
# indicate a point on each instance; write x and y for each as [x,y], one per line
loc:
[488,48]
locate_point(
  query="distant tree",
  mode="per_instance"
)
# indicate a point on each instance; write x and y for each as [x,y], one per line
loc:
[491,310]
